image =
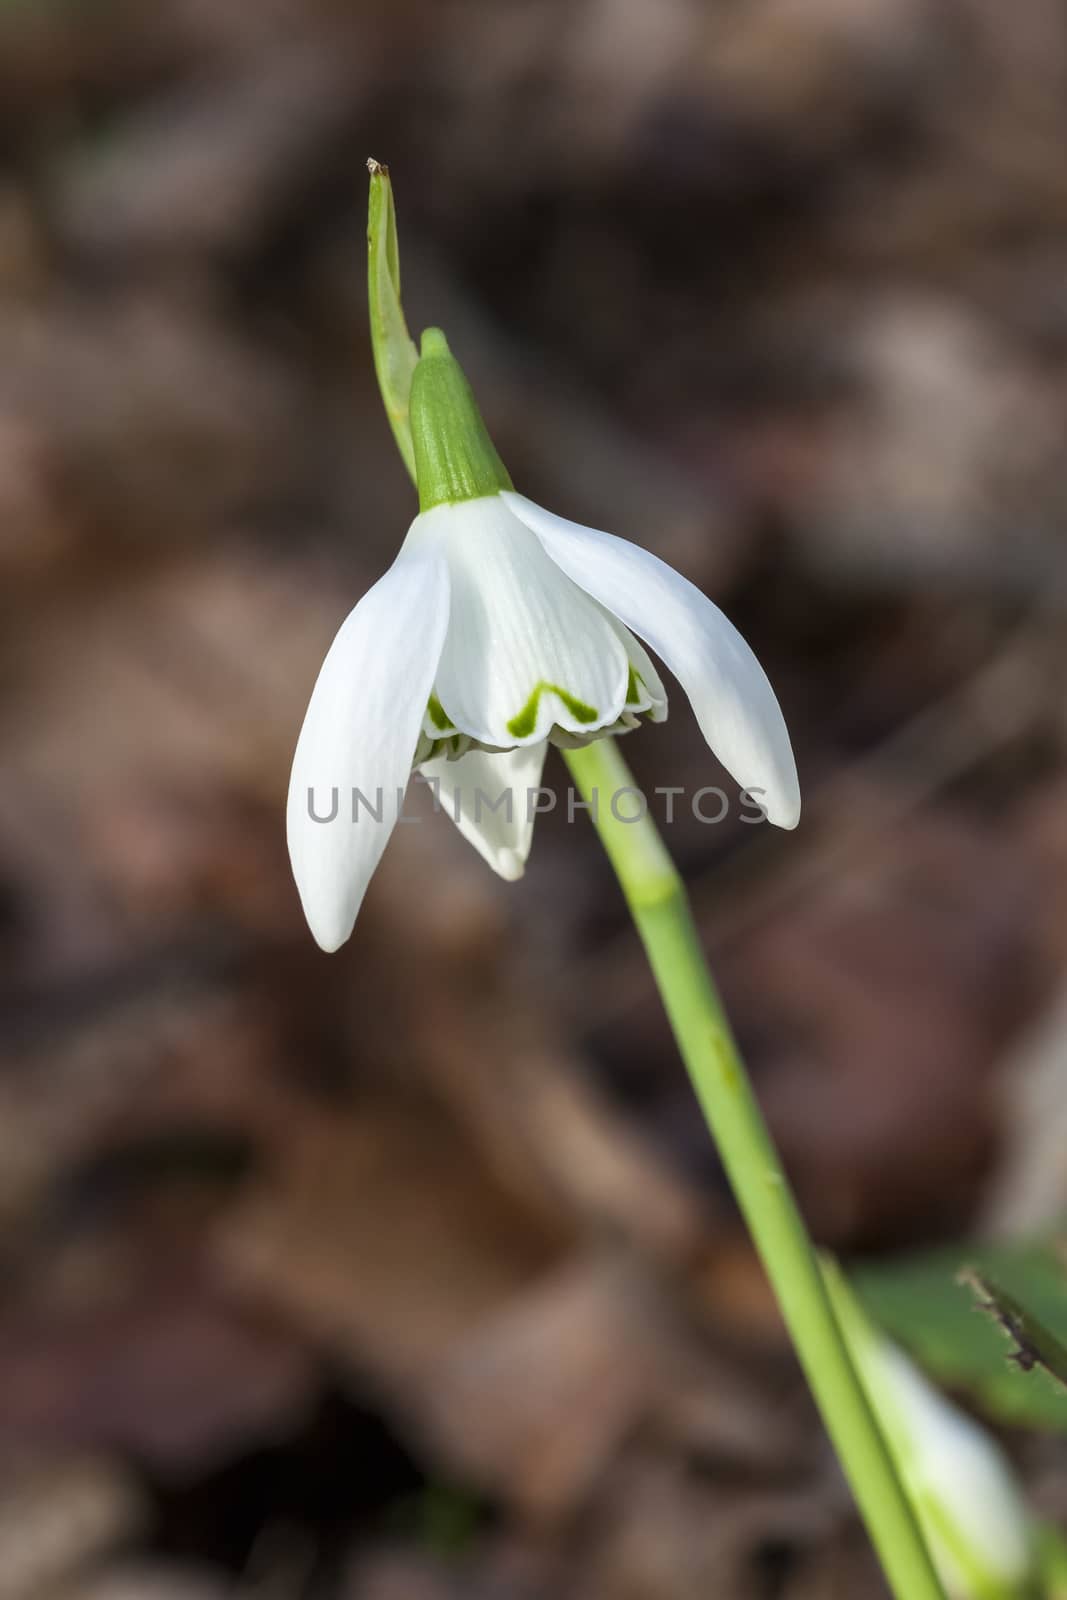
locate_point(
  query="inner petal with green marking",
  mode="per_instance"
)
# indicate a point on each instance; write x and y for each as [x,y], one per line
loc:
[525,722]
[438,716]
[441,738]
[644,700]
[528,655]
[526,650]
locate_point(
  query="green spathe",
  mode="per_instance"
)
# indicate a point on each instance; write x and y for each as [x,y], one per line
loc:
[455,459]
[395,355]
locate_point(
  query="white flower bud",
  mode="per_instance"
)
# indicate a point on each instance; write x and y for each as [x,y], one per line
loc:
[968,1503]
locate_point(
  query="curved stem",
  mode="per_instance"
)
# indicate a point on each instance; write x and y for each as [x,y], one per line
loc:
[660,909]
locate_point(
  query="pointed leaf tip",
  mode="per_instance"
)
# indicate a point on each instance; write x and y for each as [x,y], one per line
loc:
[395,355]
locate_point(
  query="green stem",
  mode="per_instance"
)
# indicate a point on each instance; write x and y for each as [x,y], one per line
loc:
[660,909]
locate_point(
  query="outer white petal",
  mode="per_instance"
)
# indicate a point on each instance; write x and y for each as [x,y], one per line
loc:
[488,798]
[734,703]
[519,630]
[360,731]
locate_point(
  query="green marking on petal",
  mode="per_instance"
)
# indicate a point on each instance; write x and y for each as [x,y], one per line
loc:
[439,716]
[634,686]
[523,725]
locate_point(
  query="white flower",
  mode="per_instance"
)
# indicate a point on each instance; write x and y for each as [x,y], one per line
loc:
[500,628]
[961,1485]
[964,1494]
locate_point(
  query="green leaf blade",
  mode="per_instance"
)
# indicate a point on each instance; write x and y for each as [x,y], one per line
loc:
[921,1303]
[1035,1345]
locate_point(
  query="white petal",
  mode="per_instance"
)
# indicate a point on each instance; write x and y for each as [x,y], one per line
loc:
[652,696]
[488,798]
[360,732]
[526,648]
[734,703]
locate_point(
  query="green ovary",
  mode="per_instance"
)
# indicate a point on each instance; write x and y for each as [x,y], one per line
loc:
[523,725]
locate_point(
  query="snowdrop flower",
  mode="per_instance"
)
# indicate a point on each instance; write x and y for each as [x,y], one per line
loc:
[501,628]
[976,1525]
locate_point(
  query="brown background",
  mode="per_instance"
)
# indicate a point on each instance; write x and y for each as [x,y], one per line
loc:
[408,1273]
